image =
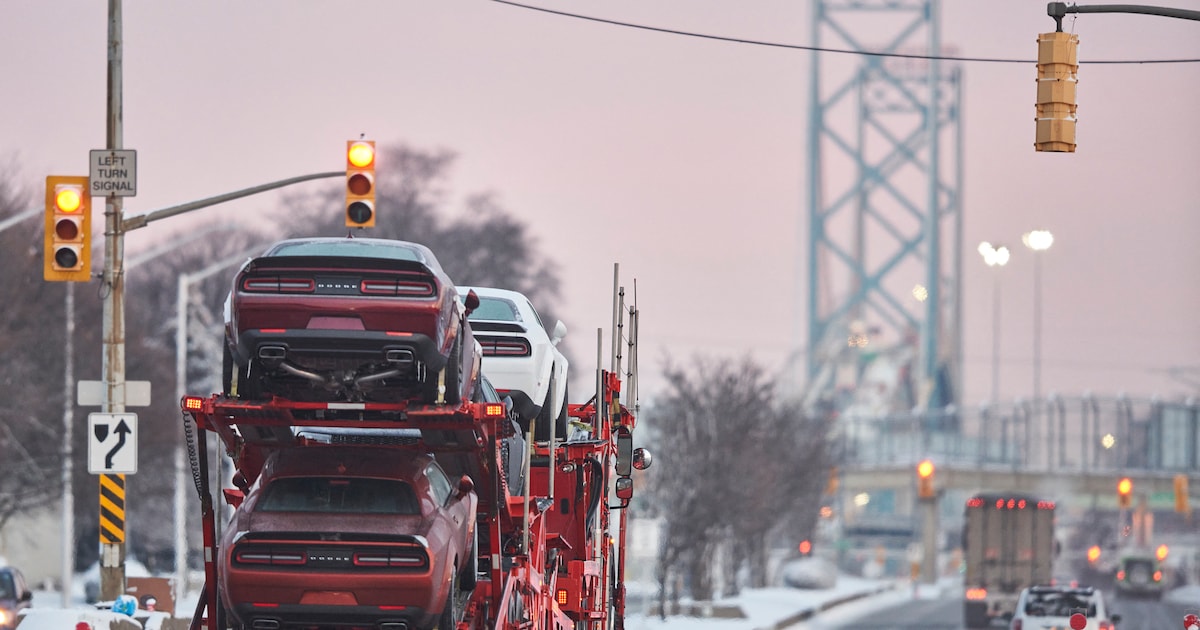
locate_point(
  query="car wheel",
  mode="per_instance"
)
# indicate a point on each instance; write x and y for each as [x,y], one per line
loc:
[449,617]
[470,571]
[246,387]
[549,415]
[453,376]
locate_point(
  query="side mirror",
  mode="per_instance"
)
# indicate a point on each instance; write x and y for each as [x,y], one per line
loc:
[624,488]
[471,302]
[465,486]
[624,453]
[27,596]
[560,331]
[642,459]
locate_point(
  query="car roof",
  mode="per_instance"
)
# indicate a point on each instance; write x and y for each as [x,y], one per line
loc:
[353,247]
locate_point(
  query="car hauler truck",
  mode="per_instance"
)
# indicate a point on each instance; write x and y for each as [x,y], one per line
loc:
[1008,544]
[548,556]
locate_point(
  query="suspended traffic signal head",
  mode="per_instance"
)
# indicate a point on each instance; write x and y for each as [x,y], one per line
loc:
[1093,554]
[360,183]
[1161,552]
[805,547]
[1125,492]
[1181,494]
[925,472]
[67,252]
[1058,65]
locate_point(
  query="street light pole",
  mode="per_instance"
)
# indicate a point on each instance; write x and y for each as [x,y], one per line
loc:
[995,256]
[1038,241]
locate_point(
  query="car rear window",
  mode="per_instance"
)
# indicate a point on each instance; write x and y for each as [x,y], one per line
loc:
[348,247]
[339,495]
[496,309]
[1058,604]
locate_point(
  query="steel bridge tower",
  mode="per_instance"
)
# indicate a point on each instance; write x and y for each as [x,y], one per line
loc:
[884,203]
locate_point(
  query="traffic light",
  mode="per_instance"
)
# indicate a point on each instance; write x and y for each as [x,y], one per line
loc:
[360,183]
[1124,493]
[1058,63]
[925,480]
[67,254]
[1161,552]
[1093,554]
[805,548]
[1181,494]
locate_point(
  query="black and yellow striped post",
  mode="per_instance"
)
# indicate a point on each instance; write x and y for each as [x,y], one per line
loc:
[112,536]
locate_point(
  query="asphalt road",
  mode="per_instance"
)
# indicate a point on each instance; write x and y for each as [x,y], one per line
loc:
[945,613]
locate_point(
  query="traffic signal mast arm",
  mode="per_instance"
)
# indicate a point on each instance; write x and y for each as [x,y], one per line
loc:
[1058,10]
[132,223]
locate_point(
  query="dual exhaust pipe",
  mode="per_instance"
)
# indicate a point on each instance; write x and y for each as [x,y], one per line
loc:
[276,356]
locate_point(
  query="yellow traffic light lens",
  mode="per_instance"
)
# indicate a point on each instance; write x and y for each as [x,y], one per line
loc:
[1124,486]
[361,154]
[1161,552]
[68,199]
[925,468]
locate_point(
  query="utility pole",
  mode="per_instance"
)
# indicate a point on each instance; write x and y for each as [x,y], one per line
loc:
[112,487]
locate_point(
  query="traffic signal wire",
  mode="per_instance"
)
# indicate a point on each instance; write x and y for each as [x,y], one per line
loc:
[755,42]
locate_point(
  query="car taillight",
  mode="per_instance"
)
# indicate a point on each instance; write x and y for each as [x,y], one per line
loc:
[269,557]
[392,559]
[1158,576]
[504,347]
[1120,575]
[275,284]
[976,593]
[1107,625]
[405,288]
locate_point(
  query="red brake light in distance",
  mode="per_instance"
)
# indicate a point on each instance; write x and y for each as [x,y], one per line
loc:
[275,284]
[1120,575]
[1158,576]
[406,288]
[975,502]
[976,593]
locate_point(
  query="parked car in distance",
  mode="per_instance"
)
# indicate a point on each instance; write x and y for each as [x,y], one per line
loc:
[348,319]
[350,536]
[521,358]
[15,596]
[1040,607]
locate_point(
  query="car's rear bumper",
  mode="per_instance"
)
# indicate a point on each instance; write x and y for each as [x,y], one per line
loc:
[258,616]
[303,346]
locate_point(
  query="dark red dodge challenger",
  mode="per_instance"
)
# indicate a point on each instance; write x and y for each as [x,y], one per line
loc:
[349,536]
[348,319]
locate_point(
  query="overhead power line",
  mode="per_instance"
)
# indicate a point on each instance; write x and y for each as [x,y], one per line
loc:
[755,42]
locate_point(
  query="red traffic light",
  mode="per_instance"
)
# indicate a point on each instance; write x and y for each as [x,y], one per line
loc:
[805,547]
[1078,621]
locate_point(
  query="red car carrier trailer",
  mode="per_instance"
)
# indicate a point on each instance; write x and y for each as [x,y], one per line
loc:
[549,556]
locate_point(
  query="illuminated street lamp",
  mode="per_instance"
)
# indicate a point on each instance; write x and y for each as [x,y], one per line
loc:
[1038,241]
[995,256]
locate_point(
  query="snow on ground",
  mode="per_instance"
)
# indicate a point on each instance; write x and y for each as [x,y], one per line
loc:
[765,607]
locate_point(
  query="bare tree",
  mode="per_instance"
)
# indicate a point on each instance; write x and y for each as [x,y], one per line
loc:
[744,464]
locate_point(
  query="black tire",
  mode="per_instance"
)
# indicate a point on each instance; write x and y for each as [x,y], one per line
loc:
[453,380]
[448,620]
[470,571]
[248,387]
[548,414]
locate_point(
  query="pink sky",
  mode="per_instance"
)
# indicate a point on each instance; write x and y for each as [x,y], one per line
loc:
[679,158]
